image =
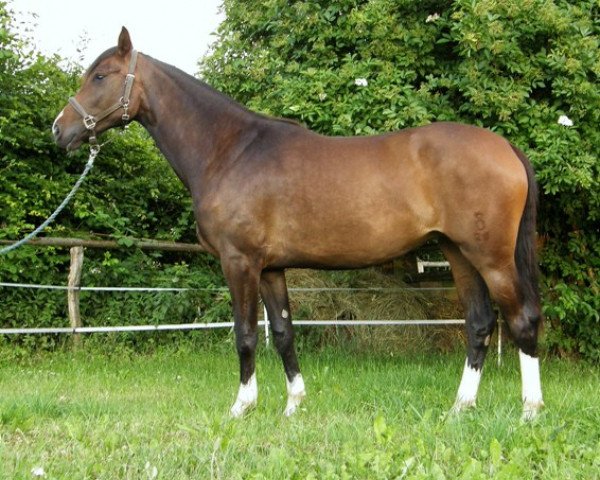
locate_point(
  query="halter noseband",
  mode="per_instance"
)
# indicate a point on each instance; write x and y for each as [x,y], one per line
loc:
[90,121]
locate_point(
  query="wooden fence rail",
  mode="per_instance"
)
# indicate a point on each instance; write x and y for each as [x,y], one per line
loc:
[77,246]
[77,257]
[110,244]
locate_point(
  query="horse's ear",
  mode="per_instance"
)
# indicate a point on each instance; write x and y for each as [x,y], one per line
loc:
[124,46]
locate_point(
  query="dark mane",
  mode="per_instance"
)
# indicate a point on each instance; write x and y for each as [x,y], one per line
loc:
[189,82]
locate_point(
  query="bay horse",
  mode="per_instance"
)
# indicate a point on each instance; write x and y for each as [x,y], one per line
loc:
[269,194]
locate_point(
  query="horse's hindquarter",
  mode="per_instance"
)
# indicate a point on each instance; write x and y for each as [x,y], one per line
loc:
[480,186]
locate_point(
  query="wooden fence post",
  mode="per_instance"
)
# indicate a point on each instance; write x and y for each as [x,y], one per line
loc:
[73,292]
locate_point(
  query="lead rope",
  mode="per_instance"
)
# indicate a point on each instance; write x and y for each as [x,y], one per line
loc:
[94,151]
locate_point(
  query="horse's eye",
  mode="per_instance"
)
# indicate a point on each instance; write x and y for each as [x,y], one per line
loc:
[99,76]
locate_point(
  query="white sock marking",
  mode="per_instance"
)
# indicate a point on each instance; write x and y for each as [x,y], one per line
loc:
[532,386]
[296,392]
[285,313]
[467,391]
[247,396]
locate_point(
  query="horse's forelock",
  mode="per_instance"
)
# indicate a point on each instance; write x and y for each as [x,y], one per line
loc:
[108,53]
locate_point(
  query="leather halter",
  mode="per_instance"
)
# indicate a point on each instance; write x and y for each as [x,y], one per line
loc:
[90,121]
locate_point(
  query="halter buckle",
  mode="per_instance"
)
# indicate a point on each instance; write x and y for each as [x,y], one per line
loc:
[125,106]
[90,122]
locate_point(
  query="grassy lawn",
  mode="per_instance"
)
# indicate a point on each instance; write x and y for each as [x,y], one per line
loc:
[127,416]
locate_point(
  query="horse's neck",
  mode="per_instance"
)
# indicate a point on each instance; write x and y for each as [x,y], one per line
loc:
[190,123]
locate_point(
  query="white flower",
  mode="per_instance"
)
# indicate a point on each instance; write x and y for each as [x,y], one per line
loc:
[432,18]
[38,472]
[564,120]
[361,82]
[322,96]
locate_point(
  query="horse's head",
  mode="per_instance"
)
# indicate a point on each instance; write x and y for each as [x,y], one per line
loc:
[107,98]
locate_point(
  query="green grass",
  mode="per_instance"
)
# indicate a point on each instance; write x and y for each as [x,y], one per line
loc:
[165,415]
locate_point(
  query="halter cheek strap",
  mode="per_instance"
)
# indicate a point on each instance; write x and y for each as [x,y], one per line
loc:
[90,121]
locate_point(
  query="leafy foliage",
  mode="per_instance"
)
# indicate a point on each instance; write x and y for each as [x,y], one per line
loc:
[352,67]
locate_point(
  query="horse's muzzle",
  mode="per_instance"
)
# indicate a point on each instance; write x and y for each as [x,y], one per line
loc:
[67,137]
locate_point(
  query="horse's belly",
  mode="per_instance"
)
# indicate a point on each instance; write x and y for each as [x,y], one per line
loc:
[352,243]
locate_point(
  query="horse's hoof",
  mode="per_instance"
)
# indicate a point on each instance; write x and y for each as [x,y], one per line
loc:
[292,406]
[240,408]
[290,410]
[531,411]
[296,394]
[462,405]
[246,398]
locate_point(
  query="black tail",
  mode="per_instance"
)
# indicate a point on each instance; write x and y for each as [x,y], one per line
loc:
[526,252]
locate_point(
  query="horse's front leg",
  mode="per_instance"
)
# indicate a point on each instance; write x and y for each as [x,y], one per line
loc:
[243,276]
[273,291]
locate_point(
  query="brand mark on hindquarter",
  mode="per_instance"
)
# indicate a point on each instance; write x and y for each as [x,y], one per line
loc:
[481,233]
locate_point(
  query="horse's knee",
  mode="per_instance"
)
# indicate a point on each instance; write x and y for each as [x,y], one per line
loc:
[246,343]
[524,330]
[480,330]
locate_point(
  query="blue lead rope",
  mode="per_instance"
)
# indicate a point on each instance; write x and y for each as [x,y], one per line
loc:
[90,163]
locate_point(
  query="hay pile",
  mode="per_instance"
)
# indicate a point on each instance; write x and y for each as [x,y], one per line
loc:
[397,305]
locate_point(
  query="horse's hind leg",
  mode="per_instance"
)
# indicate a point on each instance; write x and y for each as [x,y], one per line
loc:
[522,314]
[273,291]
[480,320]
